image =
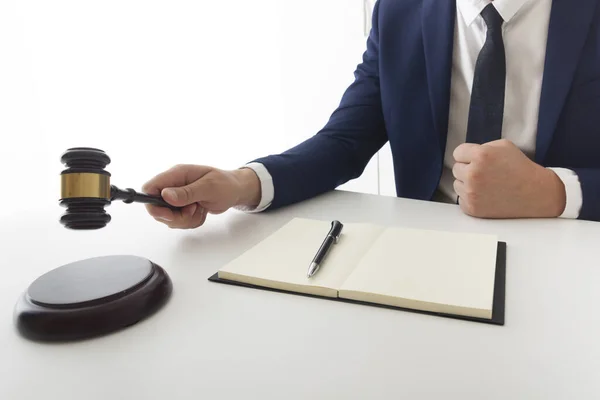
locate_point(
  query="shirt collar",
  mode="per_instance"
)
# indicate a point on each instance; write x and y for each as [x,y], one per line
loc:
[470,9]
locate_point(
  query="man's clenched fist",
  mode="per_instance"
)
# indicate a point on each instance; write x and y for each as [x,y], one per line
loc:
[200,190]
[496,180]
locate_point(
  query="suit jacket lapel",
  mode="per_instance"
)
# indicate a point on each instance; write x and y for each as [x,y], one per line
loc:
[569,26]
[438,20]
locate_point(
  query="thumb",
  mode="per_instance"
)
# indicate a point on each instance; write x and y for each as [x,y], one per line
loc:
[181,196]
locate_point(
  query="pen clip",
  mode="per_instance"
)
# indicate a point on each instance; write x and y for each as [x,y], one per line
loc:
[336,238]
[336,230]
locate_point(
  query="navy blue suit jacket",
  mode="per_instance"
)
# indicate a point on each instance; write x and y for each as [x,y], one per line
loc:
[401,94]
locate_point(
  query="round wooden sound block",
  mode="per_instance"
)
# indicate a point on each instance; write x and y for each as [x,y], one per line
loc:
[91,297]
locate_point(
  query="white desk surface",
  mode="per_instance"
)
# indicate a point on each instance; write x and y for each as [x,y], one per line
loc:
[216,341]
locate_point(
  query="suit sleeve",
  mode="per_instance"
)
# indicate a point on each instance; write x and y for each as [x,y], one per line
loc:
[589,179]
[341,150]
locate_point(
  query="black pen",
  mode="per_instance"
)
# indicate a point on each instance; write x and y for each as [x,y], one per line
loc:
[331,238]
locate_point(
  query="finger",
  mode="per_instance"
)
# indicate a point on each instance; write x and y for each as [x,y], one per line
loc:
[199,218]
[189,211]
[465,152]
[161,213]
[459,170]
[177,218]
[194,221]
[169,215]
[179,175]
[459,188]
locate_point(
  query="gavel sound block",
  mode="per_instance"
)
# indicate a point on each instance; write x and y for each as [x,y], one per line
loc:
[91,297]
[99,295]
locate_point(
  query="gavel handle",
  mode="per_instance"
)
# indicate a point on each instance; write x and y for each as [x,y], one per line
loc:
[131,196]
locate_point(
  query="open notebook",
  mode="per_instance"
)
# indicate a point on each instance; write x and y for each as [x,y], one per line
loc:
[459,275]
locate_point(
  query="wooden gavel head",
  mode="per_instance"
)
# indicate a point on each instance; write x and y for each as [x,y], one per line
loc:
[86,189]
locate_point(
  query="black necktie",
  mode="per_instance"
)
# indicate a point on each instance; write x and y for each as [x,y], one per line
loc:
[487,97]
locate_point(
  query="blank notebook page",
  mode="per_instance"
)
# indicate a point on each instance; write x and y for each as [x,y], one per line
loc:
[428,270]
[281,261]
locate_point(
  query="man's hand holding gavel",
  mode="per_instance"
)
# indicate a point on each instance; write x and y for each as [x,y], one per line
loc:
[200,190]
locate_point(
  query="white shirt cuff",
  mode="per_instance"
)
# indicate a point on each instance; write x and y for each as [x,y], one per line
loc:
[573,192]
[266,187]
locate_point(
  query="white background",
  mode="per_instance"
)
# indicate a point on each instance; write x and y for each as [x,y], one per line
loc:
[157,83]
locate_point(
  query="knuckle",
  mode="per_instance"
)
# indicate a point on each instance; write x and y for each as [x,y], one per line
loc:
[210,183]
[180,168]
[468,207]
[482,156]
[470,198]
[188,193]
[471,193]
[474,176]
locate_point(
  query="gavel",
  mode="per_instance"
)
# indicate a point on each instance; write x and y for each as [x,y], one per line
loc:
[86,189]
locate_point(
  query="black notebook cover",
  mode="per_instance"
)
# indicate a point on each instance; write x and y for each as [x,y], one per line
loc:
[497,310]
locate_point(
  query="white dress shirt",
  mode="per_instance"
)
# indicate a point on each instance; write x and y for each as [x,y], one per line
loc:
[525,33]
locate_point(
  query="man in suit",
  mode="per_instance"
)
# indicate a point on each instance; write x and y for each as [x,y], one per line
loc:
[494,105]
